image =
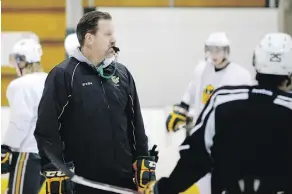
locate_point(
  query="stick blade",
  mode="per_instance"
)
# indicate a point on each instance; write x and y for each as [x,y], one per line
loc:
[59,164]
[83,181]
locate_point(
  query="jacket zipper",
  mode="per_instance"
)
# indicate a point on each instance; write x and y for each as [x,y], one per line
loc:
[104,96]
[108,106]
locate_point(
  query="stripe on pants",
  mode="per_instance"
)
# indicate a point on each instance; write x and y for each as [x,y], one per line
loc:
[19,173]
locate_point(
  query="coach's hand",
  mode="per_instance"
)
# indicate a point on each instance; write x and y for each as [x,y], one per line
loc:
[56,181]
[5,159]
[144,168]
[177,117]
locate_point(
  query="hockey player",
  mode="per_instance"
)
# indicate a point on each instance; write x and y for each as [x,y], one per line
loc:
[19,153]
[243,135]
[90,116]
[210,74]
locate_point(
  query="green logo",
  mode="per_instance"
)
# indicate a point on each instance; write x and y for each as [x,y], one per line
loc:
[115,79]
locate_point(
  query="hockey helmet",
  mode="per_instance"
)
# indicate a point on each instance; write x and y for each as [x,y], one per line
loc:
[217,46]
[218,39]
[26,50]
[274,55]
[71,43]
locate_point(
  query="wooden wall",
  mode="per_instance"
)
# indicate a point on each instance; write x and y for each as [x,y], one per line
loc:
[179,3]
[47,19]
[220,3]
[129,3]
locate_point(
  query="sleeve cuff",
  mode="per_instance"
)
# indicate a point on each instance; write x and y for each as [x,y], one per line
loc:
[185,105]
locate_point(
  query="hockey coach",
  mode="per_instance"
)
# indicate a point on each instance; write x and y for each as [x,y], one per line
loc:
[90,118]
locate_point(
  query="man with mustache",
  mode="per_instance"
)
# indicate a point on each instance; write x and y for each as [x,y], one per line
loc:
[90,117]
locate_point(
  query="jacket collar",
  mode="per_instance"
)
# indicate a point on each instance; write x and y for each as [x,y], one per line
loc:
[77,54]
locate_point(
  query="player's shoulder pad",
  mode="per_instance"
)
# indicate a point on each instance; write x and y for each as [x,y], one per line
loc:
[200,65]
[284,99]
[287,96]
[240,74]
[27,82]
[17,83]
[199,68]
[238,68]
[16,86]
[230,90]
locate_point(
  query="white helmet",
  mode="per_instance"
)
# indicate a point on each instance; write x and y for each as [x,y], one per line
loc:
[217,48]
[29,48]
[274,54]
[71,43]
[217,39]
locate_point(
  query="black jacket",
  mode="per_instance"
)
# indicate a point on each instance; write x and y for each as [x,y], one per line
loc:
[92,121]
[243,134]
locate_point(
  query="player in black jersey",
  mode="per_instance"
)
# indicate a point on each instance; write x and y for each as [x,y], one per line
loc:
[243,136]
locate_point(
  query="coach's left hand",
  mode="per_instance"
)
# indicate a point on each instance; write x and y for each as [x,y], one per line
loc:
[144,168]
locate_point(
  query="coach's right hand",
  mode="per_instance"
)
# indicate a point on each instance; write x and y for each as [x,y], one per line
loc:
[177,117]
[56,181]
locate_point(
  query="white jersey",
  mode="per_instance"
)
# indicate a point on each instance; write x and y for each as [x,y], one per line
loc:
[24,94]
[206,80]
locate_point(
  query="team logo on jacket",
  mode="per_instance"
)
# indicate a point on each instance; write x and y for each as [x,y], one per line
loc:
[207,92]
[115,80]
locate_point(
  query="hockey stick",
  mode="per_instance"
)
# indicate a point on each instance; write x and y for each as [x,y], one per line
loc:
[83,181]
[169,135]
[188,127]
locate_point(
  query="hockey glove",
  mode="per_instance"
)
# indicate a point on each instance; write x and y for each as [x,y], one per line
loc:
[151,188]
[5,159]
[177,117]
[56,181]
[154,153]
[144,168]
